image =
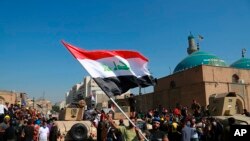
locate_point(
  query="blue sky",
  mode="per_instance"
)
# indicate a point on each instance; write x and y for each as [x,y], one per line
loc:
[34,61]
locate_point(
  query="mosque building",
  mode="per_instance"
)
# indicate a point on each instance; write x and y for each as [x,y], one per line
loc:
[199,77]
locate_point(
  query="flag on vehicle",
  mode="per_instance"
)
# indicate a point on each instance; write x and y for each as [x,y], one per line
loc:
[114,71]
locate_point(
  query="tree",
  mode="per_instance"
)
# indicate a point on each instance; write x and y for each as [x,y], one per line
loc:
[55,108]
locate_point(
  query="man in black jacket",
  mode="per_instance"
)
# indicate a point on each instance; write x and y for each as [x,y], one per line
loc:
[155,134]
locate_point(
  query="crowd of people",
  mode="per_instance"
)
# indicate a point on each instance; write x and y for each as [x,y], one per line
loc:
[21,123]
[182,123]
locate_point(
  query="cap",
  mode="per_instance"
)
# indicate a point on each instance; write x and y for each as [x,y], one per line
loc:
[38,122]
[7,117]
[156,119]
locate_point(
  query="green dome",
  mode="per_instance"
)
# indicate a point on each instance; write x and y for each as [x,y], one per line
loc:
[243,63]
[199,58]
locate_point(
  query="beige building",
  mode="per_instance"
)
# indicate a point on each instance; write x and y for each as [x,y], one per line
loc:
[43,106]
[200,76]
[74,93]
[7,96]
[200,83]
[91,92]
[12,97]
[86,89]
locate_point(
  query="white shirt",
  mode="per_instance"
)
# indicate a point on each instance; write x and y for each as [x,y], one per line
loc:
[194,133]
[2,107]
[43,133]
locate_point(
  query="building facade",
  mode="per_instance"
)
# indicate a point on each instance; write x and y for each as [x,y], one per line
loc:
[12,97]
[201,82]
[199,76]
[91,92]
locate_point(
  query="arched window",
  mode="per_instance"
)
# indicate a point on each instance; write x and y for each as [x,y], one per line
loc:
[2,100]
[172,84]
[235,78]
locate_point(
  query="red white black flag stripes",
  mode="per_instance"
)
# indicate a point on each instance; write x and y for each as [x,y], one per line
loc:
[114,71]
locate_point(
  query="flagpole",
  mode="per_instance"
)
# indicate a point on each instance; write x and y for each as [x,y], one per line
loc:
[126,116]
[122,111]
[81,54]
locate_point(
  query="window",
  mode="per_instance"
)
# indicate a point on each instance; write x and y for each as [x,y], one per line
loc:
[172,84]
[235,78]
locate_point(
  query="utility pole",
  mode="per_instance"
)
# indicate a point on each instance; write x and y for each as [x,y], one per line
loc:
[43,95]
[43,102]
[34,102]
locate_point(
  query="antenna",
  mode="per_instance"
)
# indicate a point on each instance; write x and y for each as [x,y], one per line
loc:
[43,95]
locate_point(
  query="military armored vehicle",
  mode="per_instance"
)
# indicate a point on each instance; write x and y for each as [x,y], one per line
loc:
[71,125]
[224,106]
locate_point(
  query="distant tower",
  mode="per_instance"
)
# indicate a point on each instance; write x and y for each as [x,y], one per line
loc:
[243,52]
[192,47]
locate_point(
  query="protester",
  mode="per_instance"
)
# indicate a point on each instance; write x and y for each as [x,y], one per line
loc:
[3,109]
[118,133]
[43,132]
[155,134]
[53,132]
[245,112]
[3,126]
[194,132]
[28,131]
[10,132]
[130,132]
[195,106]
[172,124]
[186,131]
[132,104]
[226,131]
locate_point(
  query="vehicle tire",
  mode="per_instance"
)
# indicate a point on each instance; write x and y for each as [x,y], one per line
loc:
[78,132]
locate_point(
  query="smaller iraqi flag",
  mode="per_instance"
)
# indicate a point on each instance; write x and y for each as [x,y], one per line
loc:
[114,71]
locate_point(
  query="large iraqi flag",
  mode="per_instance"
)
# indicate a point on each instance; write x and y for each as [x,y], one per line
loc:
[114,71]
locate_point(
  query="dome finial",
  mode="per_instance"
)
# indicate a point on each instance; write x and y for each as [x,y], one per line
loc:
[243,52]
